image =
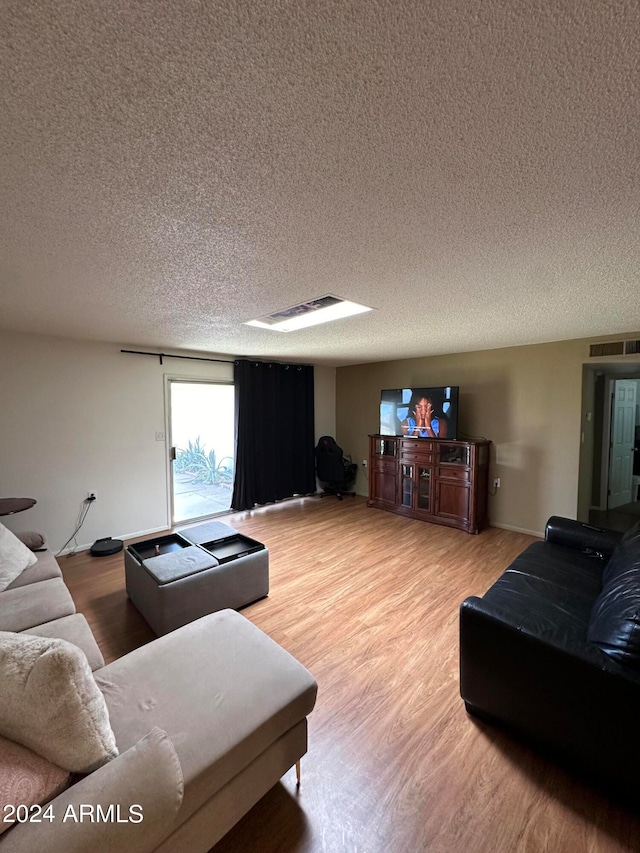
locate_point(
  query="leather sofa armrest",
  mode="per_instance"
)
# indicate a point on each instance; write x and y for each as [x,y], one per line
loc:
[139,794]
[582,537]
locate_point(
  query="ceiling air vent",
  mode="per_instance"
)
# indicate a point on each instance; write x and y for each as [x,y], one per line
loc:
[631,347]
[608,348]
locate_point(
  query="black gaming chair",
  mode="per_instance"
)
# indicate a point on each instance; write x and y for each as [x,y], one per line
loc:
[335,471]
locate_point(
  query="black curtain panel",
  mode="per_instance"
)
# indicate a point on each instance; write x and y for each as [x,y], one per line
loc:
[274,432]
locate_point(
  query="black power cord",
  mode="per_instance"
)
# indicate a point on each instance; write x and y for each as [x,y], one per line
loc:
[84,509]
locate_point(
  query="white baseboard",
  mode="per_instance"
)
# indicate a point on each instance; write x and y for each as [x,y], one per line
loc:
[536,533]
[86,547]
[151,530]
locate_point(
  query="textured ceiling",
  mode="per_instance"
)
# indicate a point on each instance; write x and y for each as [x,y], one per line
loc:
[169,170]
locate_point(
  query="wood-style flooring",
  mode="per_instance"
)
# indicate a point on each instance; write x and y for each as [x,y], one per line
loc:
[368,601]
[621,518]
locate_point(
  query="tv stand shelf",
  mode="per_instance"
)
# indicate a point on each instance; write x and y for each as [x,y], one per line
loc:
[444,482]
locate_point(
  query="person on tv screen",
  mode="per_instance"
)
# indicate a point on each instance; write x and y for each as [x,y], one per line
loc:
[425,418]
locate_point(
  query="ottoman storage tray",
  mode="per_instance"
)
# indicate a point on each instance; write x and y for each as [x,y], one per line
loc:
[177,578]
[166,544]
[232,547]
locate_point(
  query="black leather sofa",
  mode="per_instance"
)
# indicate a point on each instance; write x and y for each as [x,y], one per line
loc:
[552,651]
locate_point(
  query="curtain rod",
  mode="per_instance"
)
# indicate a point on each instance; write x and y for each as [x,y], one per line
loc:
[161,355]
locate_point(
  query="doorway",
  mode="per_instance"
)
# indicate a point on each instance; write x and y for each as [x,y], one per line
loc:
[616,459]
[623,421]
[201,438]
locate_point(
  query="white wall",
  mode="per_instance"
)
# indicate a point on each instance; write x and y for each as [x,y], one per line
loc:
[79,416]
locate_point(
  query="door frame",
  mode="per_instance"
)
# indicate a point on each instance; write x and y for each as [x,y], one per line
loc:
[605,455]
[611,388]
[610,380]
[193,380]
[610,368]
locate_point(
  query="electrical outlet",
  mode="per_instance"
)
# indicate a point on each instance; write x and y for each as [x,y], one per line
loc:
[364,463]
[92,495]
[159,435]
[496,482]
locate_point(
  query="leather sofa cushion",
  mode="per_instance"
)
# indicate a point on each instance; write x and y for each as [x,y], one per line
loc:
[548,593]
[614,625]
[627,549]
[541,610]
[563,567]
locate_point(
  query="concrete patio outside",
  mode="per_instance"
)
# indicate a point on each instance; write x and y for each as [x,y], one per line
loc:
[195,500]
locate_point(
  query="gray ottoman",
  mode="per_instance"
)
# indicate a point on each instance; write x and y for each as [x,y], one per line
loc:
[177,578]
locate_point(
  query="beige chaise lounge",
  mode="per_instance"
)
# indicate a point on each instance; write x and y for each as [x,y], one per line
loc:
[206,719]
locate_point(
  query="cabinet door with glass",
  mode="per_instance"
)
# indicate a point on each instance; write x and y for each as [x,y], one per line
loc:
[416,486]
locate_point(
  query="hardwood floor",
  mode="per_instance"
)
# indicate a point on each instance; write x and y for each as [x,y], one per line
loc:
[622,518]
[368,601]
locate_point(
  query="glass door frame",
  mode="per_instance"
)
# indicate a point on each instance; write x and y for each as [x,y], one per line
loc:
[192,380]
[413,475]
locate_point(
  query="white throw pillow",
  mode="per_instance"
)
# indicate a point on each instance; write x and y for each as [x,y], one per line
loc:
[15,557]
[50,702]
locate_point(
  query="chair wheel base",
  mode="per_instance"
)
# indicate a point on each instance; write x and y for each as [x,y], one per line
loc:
[336,494]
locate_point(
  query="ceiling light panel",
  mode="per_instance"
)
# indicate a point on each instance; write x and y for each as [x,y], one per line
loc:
[325,309]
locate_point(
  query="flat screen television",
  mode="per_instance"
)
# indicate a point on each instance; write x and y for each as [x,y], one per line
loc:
[420,412]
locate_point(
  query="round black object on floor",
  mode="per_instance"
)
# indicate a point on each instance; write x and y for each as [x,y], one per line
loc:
[104,547]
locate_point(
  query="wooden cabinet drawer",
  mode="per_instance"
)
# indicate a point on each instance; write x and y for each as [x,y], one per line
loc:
[453,472]
[384,463]
[415,445]
[411,458]
[417,451]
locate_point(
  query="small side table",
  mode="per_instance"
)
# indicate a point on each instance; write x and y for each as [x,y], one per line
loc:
[9,506]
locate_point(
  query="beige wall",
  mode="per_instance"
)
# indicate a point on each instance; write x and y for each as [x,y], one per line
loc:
[325,400]
[77,416]
[526,400]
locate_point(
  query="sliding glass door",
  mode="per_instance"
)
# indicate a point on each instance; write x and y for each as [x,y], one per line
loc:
[202,448]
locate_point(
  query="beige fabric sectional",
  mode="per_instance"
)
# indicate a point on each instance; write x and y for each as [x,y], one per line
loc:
[206,719]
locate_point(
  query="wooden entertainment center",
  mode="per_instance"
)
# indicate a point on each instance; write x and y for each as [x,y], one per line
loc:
[444,482]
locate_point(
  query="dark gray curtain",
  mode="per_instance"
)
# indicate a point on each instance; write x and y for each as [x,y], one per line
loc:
[274,432]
